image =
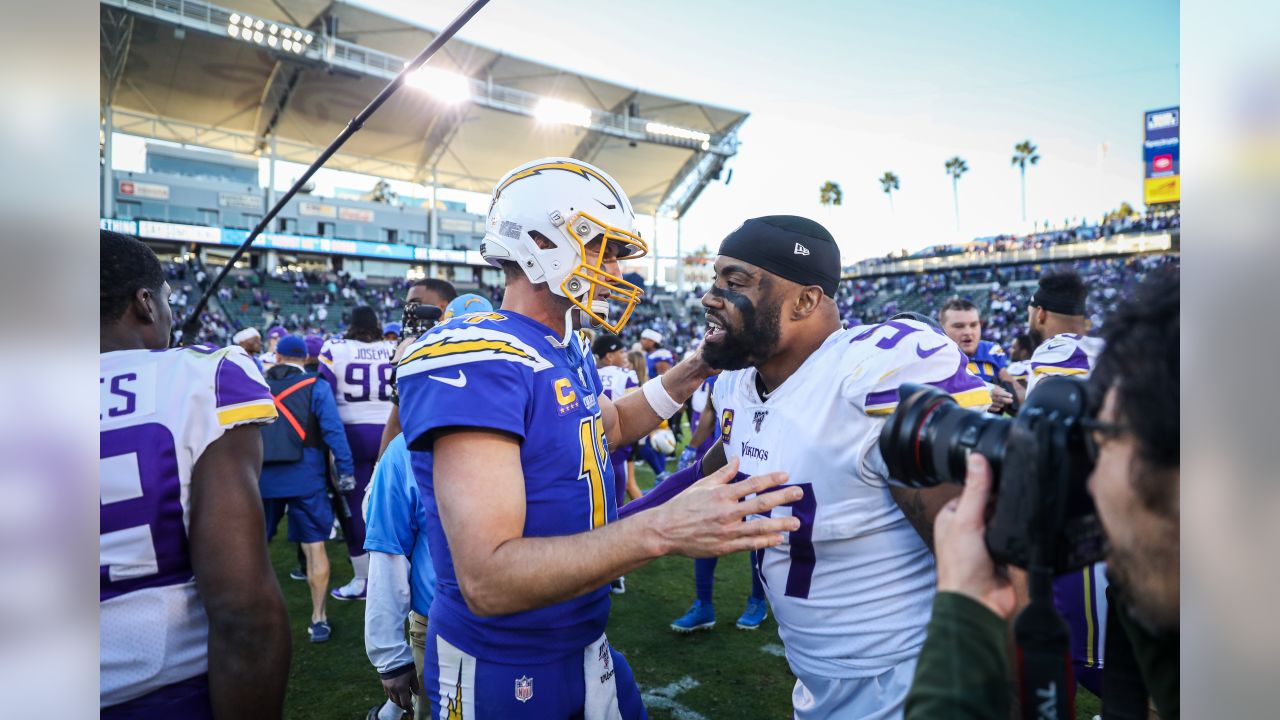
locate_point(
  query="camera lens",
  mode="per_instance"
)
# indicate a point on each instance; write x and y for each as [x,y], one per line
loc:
[928,438]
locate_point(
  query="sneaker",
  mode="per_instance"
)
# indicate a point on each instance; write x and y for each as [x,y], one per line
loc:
[298,573]
[702,616]
[757,610]
[619,586]
[319,631]
[353,590]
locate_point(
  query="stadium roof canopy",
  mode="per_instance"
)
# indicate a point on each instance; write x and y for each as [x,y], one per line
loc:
[192,72]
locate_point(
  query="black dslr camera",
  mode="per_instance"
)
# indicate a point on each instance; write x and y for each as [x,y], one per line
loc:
[1040,462]
[419,318]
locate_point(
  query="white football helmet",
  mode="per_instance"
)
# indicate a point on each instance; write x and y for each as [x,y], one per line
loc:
[571,204]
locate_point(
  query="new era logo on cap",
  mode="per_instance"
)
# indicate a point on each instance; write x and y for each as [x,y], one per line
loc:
[801,250]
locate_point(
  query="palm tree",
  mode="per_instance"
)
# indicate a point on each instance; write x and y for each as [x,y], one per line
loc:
[830,194]
[956,167]
[1024,153]
[889,183]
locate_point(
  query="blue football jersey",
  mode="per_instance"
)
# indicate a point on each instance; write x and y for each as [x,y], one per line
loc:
[506,372]
[988,361]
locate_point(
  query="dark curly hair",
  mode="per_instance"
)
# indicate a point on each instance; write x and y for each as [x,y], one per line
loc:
[1141,362]
[126,265]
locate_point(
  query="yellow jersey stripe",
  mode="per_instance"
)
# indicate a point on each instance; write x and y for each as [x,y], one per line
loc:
[443,348]
[250,411]
[1050,370]
[1090,627]
[973,398]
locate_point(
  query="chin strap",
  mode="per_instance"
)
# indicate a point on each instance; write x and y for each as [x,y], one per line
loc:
[584,320]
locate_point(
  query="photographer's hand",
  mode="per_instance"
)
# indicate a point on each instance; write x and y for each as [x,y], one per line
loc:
[964,565]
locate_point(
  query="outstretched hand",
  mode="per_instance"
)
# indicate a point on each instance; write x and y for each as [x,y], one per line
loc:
[964,564]
[707,519]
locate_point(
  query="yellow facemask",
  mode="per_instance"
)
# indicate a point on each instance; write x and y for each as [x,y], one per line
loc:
[583,228]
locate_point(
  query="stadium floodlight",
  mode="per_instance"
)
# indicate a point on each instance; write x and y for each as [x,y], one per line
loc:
[247,22]
[233,31]
[444,86]
[562,112]
[271,40]
[307,39]
[235,19]
[191,326]
[257,37]
[258,25]
[274,28]
[656,128]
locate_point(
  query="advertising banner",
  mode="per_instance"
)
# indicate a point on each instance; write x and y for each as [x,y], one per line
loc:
[1160,157]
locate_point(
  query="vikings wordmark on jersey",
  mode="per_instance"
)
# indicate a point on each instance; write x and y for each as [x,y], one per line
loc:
[851,589]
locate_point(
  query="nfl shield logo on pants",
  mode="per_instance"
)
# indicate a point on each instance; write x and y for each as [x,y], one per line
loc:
[524,689]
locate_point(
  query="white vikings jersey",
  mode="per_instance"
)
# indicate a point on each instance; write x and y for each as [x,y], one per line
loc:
[360,374]
[159,411]
[1065,354]
[852,588]
[1081,595]
[616,381]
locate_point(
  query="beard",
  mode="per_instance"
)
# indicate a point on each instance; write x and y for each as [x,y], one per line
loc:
[755,342]
[1037,337]
[1143,582]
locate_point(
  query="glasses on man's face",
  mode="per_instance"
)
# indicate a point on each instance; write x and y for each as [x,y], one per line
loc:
[1099,433]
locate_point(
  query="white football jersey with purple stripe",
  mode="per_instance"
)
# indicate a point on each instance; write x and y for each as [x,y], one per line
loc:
[617,381]
[360,374]
[852,588]
[1065,354]
[159,411]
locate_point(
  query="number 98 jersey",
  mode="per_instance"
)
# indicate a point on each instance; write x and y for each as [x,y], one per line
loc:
[852,588]
[360,374]
[505,372]
[159,411]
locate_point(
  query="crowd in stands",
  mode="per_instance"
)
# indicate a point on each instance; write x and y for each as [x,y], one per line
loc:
[1001,292]
[316,304]
[1084,232]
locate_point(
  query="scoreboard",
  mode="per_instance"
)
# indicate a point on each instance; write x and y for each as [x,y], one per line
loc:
[1161,167]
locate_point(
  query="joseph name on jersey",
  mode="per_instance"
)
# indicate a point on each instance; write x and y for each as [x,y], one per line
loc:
[852,588]
[360,374]
[159,411]
[503,371]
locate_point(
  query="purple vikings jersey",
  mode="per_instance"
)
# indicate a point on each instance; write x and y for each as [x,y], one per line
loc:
[159,411]
[505,372]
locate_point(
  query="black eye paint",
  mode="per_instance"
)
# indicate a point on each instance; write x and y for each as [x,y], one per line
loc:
[754,340]
[736,299]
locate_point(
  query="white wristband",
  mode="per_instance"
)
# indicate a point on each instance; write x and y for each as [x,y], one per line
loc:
[659,399]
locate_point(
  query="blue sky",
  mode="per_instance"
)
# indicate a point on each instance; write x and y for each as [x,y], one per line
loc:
[846,90]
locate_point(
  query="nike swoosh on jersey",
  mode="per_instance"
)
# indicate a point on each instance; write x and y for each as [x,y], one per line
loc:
[457,382]
[930,351]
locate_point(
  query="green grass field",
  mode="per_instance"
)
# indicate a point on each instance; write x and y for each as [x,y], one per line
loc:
[723,673]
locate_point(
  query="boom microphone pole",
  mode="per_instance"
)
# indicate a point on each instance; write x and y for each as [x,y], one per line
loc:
[191,326]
